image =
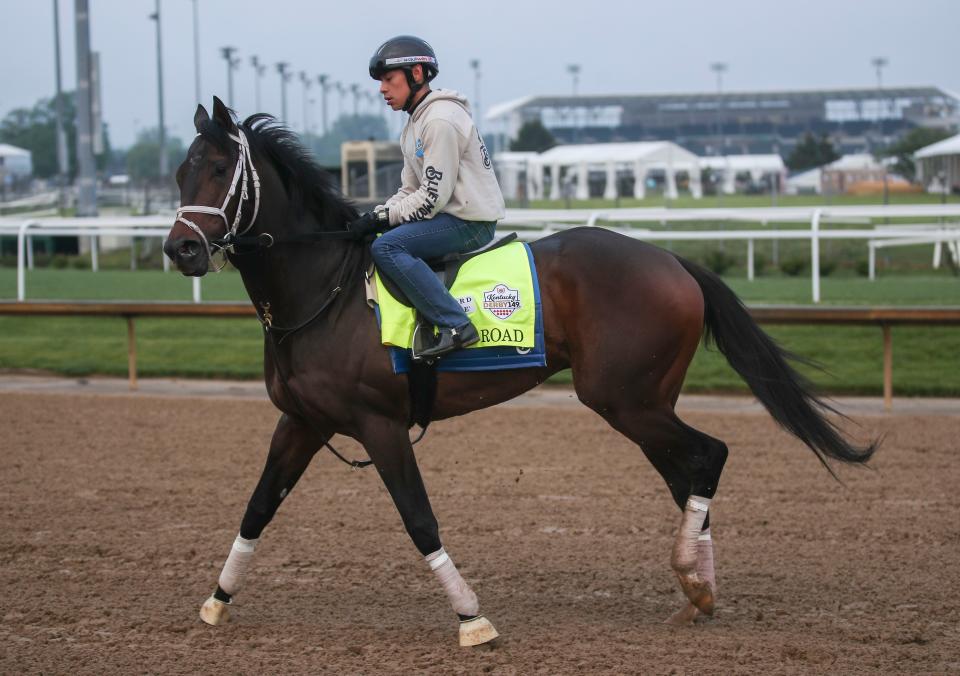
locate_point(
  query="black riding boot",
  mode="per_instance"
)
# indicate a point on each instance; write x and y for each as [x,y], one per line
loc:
[450,340]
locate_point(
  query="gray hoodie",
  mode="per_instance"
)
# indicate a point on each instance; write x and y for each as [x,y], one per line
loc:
[446,166]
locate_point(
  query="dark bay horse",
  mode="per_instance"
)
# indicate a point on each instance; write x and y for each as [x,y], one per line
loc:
[625,316]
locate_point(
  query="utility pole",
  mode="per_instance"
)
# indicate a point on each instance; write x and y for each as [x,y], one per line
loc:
[227,53]
[258,69]
[475,65]
[87,178]
[322,80]
[719,68]
[284,76]
[62,167]
[162,129]
[196,52]
[306,82]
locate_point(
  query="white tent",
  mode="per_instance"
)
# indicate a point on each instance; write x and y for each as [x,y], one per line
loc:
[758,166]
[938,165]
[14,161]
[636,158]
[511,169]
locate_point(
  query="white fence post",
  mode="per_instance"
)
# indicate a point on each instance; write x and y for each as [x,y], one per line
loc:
[872,260]
[750,260]
[196,289]
[94,253]
[21,263]
[815,254]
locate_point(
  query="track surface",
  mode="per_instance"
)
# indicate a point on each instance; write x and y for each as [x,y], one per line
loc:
[118,512]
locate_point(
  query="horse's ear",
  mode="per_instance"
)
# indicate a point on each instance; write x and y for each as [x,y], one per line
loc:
[200,117]
[222,116]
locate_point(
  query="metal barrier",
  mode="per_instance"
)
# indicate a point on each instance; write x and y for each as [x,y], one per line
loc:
[884,317]
[533,224]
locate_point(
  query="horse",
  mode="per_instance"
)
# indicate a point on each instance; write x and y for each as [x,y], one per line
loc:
[625,316]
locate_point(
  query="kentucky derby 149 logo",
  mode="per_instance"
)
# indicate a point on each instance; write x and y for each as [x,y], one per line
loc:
[501,301]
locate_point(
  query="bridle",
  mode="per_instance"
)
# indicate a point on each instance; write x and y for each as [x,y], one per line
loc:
[243,175]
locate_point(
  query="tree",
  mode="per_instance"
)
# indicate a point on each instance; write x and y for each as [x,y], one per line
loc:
[35,129]
[533,136]
[910,143]
[812,152]
[345,128]
[143,157]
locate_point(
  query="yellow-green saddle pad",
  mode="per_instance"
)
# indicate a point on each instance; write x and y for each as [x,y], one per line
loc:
[495,289]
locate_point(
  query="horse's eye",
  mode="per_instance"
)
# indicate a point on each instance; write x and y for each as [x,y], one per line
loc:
[220,169]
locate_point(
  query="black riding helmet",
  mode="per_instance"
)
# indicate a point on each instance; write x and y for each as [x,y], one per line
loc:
[405,52]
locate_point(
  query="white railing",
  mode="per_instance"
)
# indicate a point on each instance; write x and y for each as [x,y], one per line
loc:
[532,224]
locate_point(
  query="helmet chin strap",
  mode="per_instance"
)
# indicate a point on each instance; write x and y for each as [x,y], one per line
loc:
[415,88]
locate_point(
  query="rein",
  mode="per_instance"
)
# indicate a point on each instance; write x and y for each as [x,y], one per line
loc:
[244,174]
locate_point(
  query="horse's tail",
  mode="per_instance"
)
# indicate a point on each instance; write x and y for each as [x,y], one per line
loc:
[765,367]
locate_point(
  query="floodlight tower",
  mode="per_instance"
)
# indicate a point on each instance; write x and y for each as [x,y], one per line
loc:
[322,80]
[475,65]
[258,69]
[719,68]
[232,62]
[574,70]
[284,77]
[306,81]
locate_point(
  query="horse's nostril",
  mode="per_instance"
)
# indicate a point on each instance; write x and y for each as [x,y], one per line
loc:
[188,248]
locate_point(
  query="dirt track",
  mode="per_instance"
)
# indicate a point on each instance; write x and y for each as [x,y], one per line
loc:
[118,512]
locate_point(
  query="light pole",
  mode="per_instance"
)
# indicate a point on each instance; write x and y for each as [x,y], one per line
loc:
[162,130]
[258,69]
[355,90]
[879,63]
[196,52]
[227,53]
[341,91]
[61,137]
[719,68]
[574,70]
[306,81]
[284,76]
[86,179]
[475,65]
[322,81]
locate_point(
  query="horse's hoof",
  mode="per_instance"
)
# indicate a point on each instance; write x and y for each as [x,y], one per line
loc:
[683,617]
[476,631]
[214,612]
[698,592]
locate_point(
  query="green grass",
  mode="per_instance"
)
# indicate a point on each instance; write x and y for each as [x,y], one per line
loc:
[926,360]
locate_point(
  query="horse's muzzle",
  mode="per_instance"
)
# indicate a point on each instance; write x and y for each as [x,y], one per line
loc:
[188,255]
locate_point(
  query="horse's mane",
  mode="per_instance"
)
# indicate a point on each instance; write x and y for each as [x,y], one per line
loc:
[309,187]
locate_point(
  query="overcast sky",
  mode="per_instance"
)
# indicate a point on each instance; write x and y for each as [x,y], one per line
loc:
[625,46]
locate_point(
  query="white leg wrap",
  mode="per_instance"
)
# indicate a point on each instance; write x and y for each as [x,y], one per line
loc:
[685,552]
[237,565]
[462,598]
[705,560]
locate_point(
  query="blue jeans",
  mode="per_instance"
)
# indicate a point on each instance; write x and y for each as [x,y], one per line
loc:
[399,254]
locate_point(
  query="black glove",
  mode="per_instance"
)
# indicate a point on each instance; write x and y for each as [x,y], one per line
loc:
[369,223]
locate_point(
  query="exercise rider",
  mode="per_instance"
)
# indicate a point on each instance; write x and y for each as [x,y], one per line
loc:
[449,200]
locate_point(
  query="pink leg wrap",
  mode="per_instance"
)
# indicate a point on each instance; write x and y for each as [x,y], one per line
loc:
[462,598]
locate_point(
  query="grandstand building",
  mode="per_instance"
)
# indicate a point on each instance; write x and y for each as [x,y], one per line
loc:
[857,120]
